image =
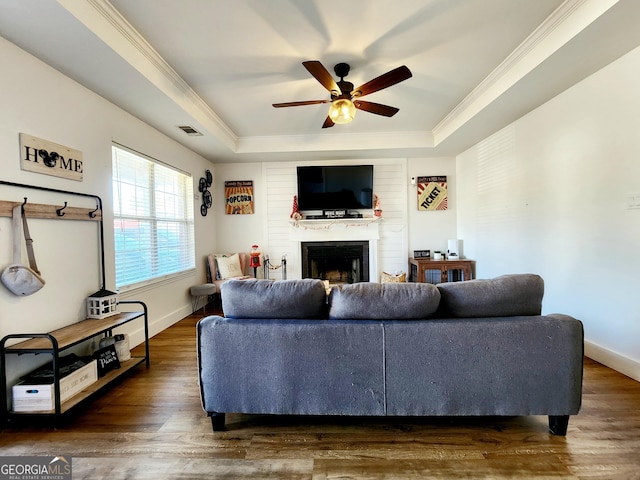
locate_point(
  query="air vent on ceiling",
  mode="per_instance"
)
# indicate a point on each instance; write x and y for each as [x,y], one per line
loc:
[189,130]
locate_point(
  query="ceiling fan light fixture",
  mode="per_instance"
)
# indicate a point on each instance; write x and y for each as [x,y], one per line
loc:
[342,110]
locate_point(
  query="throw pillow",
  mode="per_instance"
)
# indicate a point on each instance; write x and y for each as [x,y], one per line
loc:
[397,278]
[229,267]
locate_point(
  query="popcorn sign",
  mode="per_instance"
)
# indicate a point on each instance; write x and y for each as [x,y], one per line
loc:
[238,197]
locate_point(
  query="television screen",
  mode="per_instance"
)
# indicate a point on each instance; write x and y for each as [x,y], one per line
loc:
[335,187]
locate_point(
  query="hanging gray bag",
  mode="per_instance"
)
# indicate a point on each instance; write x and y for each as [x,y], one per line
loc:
[20,279]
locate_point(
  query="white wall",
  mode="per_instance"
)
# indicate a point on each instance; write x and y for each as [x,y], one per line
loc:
[548,194]
[40,101]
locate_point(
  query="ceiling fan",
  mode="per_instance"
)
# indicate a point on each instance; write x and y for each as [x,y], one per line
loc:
[344,98]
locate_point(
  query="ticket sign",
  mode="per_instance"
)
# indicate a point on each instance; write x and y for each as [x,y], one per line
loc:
[432,193]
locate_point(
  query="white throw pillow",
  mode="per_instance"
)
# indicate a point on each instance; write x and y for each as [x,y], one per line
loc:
[229,267]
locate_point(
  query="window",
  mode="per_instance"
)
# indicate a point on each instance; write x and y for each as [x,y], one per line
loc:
[153,219]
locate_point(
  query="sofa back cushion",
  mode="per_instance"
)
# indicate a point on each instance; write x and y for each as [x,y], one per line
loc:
[505,296]
[383,301]
[286,299]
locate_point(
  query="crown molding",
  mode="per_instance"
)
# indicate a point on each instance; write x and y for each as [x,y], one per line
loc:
[567,21]
[330,142]
[103,20]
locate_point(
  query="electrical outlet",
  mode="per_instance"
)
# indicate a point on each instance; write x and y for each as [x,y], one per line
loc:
[633,201]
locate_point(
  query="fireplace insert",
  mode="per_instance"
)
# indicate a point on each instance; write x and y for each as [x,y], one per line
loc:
[336,262]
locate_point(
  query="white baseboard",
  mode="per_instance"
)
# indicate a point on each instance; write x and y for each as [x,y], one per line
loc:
[620,363]
[157,325]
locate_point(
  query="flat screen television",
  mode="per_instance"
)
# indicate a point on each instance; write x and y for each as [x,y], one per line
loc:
[335,187]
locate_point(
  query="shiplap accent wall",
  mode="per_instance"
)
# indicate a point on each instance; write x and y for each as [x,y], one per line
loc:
[389,183]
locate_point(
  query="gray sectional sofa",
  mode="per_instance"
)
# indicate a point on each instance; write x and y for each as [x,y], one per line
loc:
[479,347]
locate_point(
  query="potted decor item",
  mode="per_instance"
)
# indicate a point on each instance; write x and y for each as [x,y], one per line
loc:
[437,255]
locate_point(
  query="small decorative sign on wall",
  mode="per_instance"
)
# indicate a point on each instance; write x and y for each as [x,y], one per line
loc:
[432,193]
[41,156]
[238,197]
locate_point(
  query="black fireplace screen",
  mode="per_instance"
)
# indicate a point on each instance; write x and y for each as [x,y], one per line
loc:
[336,262]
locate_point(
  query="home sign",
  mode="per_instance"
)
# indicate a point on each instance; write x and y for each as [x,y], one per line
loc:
[41,156]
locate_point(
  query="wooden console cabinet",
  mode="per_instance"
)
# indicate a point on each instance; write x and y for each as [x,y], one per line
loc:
[446,270]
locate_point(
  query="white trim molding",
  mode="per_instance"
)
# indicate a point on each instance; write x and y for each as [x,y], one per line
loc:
[625,365]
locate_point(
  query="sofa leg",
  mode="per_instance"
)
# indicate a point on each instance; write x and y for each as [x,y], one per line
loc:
[558,424]
[217,421]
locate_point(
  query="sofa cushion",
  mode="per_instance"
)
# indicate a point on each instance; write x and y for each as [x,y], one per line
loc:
[283,299]
[508,295]
[383,301]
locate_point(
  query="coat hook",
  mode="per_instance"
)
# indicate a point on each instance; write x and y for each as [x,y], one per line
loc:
[60,212]
[92,214]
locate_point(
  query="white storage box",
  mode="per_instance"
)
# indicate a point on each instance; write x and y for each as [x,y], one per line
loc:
[40,398]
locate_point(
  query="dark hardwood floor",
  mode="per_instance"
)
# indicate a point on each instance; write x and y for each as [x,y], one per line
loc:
[151,426]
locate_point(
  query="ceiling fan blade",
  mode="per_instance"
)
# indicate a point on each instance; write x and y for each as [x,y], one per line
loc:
[297,104]
[377,108]
[321,74]
[385,80]
[328,122]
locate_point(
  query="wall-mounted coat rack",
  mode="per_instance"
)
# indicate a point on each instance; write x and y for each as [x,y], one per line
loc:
[64,212]
[38,210]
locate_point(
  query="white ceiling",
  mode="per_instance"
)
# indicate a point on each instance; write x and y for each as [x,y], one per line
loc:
[218,65]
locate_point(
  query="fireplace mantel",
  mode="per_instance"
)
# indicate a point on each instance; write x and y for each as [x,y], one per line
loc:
[335,229]
[343,229]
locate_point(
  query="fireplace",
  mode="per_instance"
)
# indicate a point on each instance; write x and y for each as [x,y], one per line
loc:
[336,262]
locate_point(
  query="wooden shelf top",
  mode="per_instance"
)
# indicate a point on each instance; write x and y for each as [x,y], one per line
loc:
[75,333]
[36,210]
[431,260]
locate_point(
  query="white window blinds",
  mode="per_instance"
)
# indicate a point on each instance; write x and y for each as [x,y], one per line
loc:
[153,219]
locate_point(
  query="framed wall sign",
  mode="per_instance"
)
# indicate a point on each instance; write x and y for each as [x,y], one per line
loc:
[238,196]
[42,156]
[432,193]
